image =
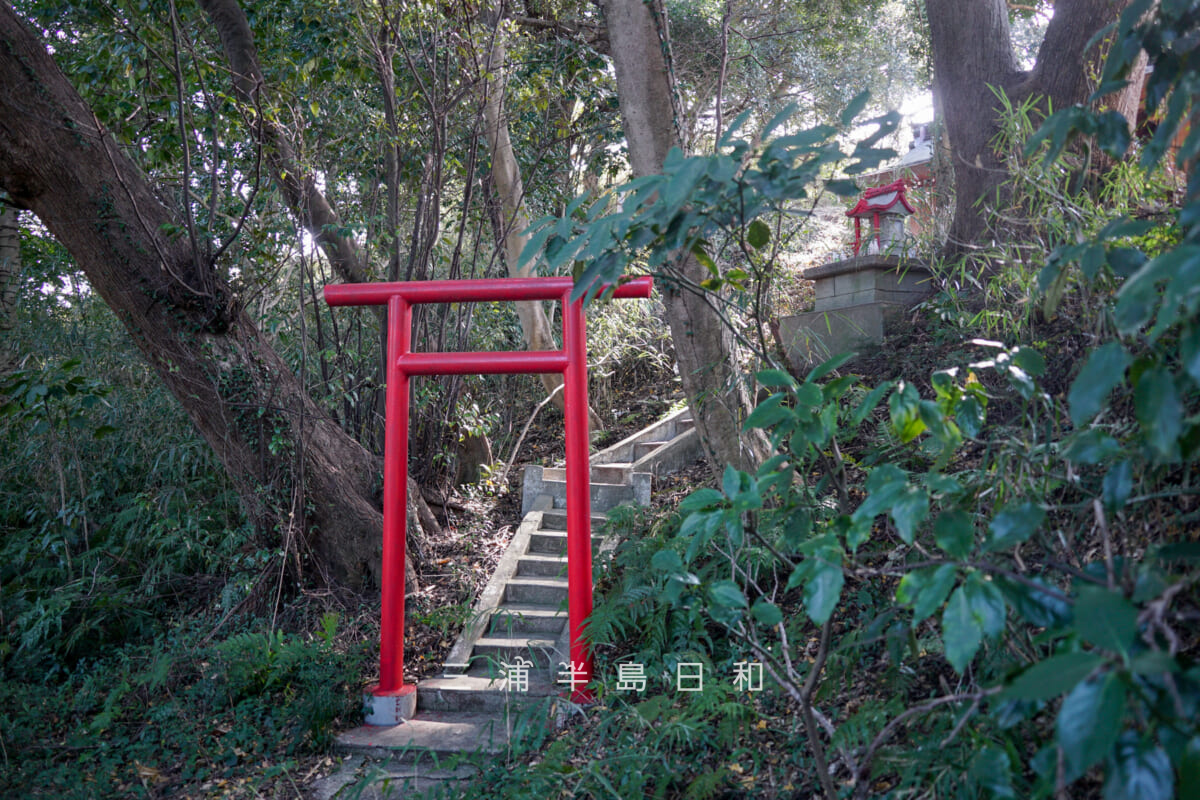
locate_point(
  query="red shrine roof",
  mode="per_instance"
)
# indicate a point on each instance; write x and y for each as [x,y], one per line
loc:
[881,198]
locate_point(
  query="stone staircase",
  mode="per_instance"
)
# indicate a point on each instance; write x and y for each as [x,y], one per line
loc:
[501,672]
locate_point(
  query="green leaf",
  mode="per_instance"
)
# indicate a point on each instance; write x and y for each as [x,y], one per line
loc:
[869,402]
[909,511]
[705,259]
[809,395]
[1029,360]
[824,587]
[700,499]
[854,108]
[1105,618]
[969,414]
[925,590]
[905,408]
[821,575]
[1140,770]
[1091,446]
[1040,608]
[1052,677]
[768,413]
[1153,662]
[954,533]
[1158,408]
[775,379]
[666,561]
[1015,523]
[827,366]
[1189,350]
[962,632]
[727,594]
[1117,486]
[731,481]
[1089,722]
[986,603]
[758,234]
[1189,764]
[1101,373]
[767,613]
[992,769]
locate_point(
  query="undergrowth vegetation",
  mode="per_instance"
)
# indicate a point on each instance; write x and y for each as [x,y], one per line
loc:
[974,580]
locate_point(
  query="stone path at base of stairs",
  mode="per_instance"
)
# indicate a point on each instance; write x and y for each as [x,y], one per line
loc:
[472,710]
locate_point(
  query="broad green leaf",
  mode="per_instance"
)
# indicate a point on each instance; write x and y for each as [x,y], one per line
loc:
[1117,486]
[1153,662]
[700,499]
[1105,618]
[1091,446]
[1015,523]
[962,632]
[1159,410]
[1101,373]
[767,613]
[986,603]
[992,769]
[925,590]
[1052,677]
[666,561]
[808,395]
[781,116]
[767,413]
[969,414]
[954,533]
[1029,360]
[728,594]
[731,481]
[1189,350]
[775,379]
[909,511]
[1189,764]
[824,587]
[1140,770]
[827,366]
[1039,608]
[885,485]
[854,108]
[758,234]
[705,259]
[1089,722]
[869,402]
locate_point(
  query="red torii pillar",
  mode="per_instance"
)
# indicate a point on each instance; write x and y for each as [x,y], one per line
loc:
[402,363]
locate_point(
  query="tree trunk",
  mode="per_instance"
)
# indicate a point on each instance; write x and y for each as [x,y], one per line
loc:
[506,175]
[57,160]
[972,53]
[297,183]
[704,347]
[10,263]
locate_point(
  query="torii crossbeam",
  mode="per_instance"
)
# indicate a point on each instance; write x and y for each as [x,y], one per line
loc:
[402,363]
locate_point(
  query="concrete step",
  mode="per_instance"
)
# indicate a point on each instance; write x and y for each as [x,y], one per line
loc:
[527,618]
[537,591]
[537,565]
[494,651]
[550,542]
[643,449]
[556,520]
[479,693]
[616,474]
[429,738]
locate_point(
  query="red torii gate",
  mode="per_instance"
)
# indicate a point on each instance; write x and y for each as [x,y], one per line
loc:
[402,363]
